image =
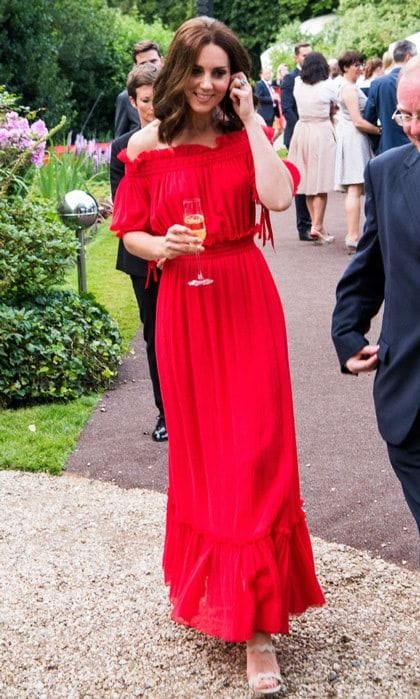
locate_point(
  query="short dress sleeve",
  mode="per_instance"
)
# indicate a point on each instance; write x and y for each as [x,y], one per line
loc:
[132,200]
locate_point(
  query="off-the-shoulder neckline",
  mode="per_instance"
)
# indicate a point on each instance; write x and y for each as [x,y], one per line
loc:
[187,148]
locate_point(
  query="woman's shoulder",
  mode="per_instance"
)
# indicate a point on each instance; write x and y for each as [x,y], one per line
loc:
[330,86]
[348,87]
[349,91]
[146,139]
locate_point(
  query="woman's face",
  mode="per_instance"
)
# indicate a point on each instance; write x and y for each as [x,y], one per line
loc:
[209,80]
[144,104]
[354,71]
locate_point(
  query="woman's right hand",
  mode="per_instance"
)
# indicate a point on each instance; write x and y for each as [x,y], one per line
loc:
[178,241]
[242,96]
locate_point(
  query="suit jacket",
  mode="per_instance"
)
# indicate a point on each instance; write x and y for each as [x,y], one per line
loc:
[386,268]
[265,105]
[126,117]
[381,104]
[288,105]
[126,262]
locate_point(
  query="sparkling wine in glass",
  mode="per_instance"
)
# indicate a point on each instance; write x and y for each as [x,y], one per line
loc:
[194,220]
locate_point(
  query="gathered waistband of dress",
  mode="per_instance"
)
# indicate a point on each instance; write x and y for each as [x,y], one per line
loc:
[228,247]
[306,120]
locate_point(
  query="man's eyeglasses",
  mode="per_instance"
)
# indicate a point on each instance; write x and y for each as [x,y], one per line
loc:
[403,119]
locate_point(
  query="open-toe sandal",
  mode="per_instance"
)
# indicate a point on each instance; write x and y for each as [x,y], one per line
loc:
[260,677]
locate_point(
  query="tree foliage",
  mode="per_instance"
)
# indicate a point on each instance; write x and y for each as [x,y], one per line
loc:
[171,12]
[258,23]
[372,26]
[66,57]
[368,27]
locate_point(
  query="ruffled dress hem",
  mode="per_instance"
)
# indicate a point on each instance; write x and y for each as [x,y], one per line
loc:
[231,589]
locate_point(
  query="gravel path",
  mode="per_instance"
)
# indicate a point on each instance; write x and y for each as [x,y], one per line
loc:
[85,614]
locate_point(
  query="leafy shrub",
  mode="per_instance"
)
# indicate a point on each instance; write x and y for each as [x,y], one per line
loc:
[35,248]
[58,346]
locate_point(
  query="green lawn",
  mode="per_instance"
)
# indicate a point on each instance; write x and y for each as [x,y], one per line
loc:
[41,438]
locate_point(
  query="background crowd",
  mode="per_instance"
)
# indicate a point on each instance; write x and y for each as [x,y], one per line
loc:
[335,116]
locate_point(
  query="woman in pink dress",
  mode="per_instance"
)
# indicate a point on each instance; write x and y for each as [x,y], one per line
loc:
[313,146]
[238,557]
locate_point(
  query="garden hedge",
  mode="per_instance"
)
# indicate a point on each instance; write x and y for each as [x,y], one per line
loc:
[36,249]
[58,346]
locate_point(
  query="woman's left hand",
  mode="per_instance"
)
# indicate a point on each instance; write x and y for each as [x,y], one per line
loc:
[242,96]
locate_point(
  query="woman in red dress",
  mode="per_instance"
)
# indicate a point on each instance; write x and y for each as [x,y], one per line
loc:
[238,557]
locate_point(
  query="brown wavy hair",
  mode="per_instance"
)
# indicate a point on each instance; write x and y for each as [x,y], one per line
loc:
[169,102]
[348,59]
[144,74]
[315,68]
[371,65]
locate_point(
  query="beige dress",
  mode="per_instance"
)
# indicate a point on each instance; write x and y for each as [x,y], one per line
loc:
[312,148]
[353,146]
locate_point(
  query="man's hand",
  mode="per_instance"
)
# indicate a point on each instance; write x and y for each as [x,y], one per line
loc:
[364,360]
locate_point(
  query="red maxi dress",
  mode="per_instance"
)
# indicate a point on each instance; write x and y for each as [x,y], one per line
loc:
[237,557]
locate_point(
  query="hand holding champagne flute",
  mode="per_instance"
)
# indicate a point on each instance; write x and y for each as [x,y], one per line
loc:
[194,220]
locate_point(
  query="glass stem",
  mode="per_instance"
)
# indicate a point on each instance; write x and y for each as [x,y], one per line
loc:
[199,272]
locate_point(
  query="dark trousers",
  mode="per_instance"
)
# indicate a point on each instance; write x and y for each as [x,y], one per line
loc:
[303,218]
[146,301]
[405,460]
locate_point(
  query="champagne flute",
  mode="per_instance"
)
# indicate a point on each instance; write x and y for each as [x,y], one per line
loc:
[194,220]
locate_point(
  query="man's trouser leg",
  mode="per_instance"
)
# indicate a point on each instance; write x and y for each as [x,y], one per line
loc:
[405,460]
[146,300]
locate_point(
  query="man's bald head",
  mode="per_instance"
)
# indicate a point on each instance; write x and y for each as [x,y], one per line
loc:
[408,97]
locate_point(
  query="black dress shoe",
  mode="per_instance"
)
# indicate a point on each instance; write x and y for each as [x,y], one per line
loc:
[304,236]
[160,434]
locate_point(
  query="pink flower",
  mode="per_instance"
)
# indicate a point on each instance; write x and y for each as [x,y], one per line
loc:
[38,127]
[18,136]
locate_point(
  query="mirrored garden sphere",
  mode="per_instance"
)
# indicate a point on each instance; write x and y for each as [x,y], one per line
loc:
[78,209]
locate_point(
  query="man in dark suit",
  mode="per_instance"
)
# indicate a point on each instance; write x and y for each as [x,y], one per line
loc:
[290,113]
[126,116]
[386,268]
[268,106]
[140,92]
[382,100]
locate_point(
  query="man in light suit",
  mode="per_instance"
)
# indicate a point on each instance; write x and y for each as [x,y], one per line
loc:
[386,268]
[290,113]
[140,93]
[126,117]
[382,99]
[268,106]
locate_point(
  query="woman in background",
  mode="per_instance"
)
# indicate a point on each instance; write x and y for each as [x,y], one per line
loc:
[353,146]
[279,120]
[312,147]
[374,68]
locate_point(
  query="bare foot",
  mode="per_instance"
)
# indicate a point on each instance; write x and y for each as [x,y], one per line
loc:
[262,668]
